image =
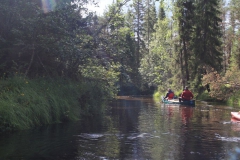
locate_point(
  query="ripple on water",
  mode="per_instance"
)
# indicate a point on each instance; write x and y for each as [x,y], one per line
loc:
[90,136]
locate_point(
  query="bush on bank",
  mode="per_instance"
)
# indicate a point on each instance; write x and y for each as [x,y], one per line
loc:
[26,103]
[234,99]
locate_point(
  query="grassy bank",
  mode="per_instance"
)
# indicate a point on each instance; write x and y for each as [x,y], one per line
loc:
[26,103]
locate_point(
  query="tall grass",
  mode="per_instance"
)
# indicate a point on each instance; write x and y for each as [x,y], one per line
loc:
[27,103]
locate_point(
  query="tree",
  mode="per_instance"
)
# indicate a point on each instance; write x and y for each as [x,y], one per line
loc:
[185,22]
[116,44]
[206,39]
[149,20]
[43,44]
[138,10]
[232,32]
[161,13]
[155,66]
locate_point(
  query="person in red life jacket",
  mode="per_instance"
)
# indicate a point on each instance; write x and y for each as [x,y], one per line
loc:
[169,95]
[186,95]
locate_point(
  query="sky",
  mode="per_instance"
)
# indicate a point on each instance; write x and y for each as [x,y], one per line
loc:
[102,6]
[104,3]
[49,5]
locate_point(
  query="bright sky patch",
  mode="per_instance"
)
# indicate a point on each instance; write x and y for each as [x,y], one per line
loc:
[48,5]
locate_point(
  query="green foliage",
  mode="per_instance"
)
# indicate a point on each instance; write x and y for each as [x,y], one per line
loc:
[207,47]
[234,99]
[102,79]
[149,21]
[118,46]
[194,43]
[138,14]
[157,96]
[161,13]
[155,66]
[205,96]
[43,44]
[223,86]
[26,103]
[235,57]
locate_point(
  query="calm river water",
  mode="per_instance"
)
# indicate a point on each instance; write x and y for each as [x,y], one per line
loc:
[135,128]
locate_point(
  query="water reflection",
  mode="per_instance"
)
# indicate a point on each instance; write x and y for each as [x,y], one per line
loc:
[134,128]
[186,114]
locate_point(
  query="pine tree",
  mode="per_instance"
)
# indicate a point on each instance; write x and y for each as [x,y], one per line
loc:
[233,35]
[161,13]
[149,20]
[185,24]
[138,12]
[206,38]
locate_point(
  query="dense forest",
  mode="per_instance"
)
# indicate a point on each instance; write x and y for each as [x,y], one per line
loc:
[59,48]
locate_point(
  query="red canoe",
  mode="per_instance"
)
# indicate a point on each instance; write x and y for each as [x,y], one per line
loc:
[235,115]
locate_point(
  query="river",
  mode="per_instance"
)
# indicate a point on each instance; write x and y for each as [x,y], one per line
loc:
[134,128]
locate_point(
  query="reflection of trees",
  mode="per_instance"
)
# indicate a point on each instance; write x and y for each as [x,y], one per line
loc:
[186,114]
[199,134]
[101,142]
[137,130]
[46,142]
[161,123]
[134,129]
[125,119]
[180,132]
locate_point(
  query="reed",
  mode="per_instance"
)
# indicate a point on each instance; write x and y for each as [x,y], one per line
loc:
[26,103]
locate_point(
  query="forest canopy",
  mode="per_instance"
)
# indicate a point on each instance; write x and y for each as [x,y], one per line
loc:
[135,45]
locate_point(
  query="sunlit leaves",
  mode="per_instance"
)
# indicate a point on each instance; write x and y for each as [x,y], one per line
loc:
[106,76]
[154,65]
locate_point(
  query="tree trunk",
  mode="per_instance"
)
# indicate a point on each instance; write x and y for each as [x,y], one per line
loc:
[186,59]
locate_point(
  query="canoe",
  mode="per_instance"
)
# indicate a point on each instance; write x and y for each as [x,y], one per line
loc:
[176,101]
[235,115]
[235,120]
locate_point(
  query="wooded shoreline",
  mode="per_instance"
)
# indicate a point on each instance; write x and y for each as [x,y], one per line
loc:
[48,52]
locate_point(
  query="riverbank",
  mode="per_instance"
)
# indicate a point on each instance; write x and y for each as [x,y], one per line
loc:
[25,103]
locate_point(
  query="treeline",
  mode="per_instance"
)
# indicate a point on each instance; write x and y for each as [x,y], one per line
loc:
[133,47]
[52,68]
[182,42]
[194,43]
[39,42]
[133,50]
[63,39]
[185,45]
